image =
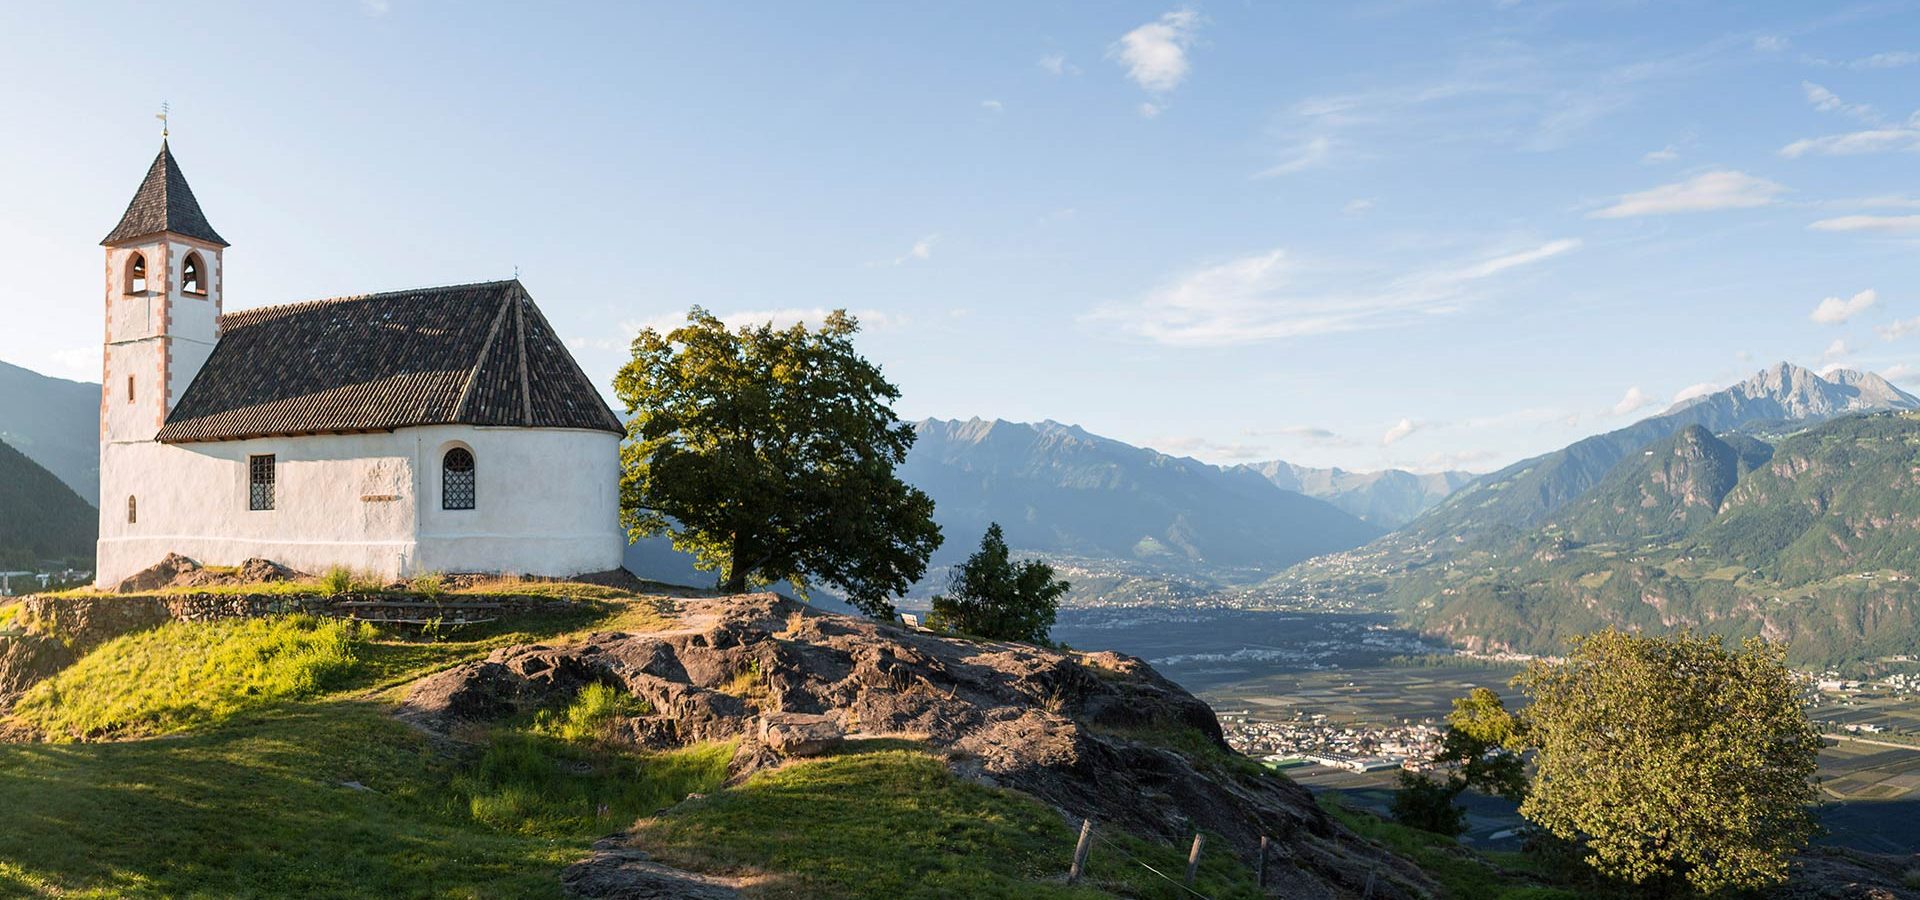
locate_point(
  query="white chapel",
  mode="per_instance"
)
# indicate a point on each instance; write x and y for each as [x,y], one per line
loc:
[441,429]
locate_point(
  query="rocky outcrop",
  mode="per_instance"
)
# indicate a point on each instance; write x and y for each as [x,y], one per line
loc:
[176,571]
[1098,735]
[617,872]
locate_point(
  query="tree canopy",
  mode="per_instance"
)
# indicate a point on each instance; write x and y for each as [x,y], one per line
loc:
[1673,759]
[993,597]
[1481,748]
[769,454]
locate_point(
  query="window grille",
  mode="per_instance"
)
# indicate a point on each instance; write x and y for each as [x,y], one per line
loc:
[260,482]
[456,479]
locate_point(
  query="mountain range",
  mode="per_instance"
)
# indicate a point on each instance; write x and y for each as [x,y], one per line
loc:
[42,520]
[56,423]
[1388,498]
[1059,489]
[1503,504]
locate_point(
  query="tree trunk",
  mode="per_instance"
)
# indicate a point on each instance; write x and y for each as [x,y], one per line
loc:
[736,568]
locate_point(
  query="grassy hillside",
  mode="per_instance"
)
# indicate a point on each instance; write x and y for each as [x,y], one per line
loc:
[41,519]
[1815,545]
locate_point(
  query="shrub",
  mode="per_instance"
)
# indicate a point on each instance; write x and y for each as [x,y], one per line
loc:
[591,717]
[430,585]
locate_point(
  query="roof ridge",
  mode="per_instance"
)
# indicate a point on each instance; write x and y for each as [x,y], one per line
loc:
[302,305]
[520,344]
[479,362]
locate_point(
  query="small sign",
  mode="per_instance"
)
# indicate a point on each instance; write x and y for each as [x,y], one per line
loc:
[378,498]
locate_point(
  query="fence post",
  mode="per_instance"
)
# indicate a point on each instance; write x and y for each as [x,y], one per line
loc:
[1080,851]
[1193,857]
[1260,865]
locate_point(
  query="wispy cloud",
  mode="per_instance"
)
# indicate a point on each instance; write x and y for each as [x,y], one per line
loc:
[1398,432]
[1835,353]
[1893,60]
[1306,434]
[1666,154]
[1706,192]
[1057,64]
[992,106]
[1856,143]
[1695,390]
[1835,311]
[376,8]
[1268,296]
[1155,54]
[921,250]
[1827,101]
[1885,224]
[1238,451]
[1894,331]
[1310,154]
[1634,399]
[1771,43]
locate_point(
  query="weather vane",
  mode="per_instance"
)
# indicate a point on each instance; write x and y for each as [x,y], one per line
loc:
[162,116]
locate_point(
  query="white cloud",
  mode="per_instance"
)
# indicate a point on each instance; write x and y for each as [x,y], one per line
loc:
[1400,430]
[1267,296]
[922,249]
[1835,311]
[1835,351]
[1149,109]
[1902,373]
[1827,101]
[1896,330]
[1634,399]
[1771,43]
[992,105]
[1208,448]
[1357,206]
[1890,224]
[1702,193]
[1311,154]
[1892,60]
[1695,390]
[1056,64]
[1155,54]
[1669,153]
[1855,143]
[1306,434]
[1830,368]
[376,8]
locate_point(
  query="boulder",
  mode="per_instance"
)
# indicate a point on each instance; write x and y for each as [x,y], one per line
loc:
[800,734]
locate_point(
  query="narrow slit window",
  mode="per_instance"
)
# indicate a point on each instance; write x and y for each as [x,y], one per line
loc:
[456,479]
[260,481]
[129,388]
[133,511]
[192,277]
[136,274]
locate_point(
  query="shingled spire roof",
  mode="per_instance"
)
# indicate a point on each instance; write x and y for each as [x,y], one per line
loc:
[164,203]
[473,354]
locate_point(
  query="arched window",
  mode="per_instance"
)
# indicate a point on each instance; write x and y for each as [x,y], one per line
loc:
[192,277]
[136,274]
[133,511]
[456,479]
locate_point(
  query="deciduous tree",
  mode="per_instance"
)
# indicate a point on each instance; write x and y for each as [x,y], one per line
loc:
[769,454]
[1673,759]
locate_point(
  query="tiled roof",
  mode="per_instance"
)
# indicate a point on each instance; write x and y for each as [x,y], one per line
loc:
[164,203]
[475,354]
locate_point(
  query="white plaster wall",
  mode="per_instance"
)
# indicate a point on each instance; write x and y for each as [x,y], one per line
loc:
[548,503]
[193,324]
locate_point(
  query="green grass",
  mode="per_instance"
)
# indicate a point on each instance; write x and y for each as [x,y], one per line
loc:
[535,785]
[183,674]
[887,820]
[590,718]
[1460,872]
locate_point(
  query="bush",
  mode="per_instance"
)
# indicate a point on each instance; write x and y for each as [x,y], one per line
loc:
[591,717]
[430,585]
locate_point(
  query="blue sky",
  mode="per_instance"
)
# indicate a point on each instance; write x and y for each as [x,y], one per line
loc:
[1388,233]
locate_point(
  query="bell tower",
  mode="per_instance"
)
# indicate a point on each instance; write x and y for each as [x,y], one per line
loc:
[164,282]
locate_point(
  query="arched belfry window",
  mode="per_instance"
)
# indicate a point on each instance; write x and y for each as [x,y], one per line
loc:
[136,274]
[193,279]
[133,511]
[456,479]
